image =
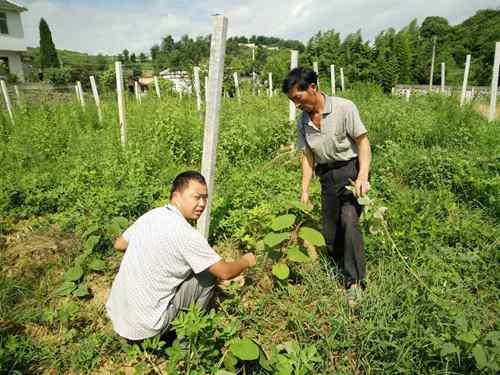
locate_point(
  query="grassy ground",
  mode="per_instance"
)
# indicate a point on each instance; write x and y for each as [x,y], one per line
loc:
[431,305]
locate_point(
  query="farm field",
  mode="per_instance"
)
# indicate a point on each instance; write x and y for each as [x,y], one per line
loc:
[68,187]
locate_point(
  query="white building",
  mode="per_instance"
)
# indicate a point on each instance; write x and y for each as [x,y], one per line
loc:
[180,79]
[12,43]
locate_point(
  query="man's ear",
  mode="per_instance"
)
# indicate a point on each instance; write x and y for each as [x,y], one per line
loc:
[312,87]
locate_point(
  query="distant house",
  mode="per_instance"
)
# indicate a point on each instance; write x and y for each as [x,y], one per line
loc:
[180,79]
[12,43]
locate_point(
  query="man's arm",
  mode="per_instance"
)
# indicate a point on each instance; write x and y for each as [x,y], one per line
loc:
[364,157]
[120,244]
[227,270]
[307,163]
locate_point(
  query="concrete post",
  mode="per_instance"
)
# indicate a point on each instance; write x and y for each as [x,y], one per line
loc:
[137,92]
[96,97]
[121,103]
[237,86]
[270,79]
[294,62]
[342,79]
[464,83]
[494,83]
[210,138]
[316,70]
[157,87]
[443,69]
[407,94]
[432,64]
[254,82]
[332,78]
[197,87]
[7,100]
[206,89]
[18,95]
[80,91]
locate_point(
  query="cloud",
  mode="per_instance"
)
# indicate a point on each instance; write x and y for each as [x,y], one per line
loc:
[109,27]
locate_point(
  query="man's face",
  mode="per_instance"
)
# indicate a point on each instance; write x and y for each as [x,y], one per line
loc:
[304,100]
[192,201]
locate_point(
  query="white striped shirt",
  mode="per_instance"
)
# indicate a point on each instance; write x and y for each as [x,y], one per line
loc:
[163,250]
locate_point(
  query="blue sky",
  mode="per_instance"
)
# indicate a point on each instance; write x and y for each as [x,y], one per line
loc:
[110,26]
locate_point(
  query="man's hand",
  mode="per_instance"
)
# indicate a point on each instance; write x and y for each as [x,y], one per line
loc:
[227,270]
[250,259]
[120,244]
[305,198]
[362,187]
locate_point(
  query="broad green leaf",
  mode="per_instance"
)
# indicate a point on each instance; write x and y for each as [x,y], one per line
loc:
[283,222]
[91,243]
[90,230]
[65,289]
[312,236]
[260,246]
[114,229]
[75,273]
[467,337]
[301,206]
[245,350]
[97,265]
[297,255]
[264,362]
[121,221]
[274,239]
[230,361]
[281,271]
[291,347]
[449,348]
[480,356]
[82,291]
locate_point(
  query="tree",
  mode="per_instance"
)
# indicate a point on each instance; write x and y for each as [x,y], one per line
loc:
[126,56]
[155,51]
[101,62]
[133,58]
[167,44]
[48,53]
[142,57]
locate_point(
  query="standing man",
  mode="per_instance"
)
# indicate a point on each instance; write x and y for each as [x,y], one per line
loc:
[335,145]
[167,264]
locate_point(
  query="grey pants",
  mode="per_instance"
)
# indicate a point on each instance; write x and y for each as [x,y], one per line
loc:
[197,288]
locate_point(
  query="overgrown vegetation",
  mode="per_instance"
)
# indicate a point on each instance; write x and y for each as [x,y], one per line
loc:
[68,187]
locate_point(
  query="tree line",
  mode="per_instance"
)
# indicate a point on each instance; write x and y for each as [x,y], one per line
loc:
[393,57]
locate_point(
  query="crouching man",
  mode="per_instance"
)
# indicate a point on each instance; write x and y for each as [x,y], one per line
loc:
[167,265]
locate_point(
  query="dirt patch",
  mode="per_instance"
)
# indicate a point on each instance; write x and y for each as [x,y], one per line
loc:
[26,253]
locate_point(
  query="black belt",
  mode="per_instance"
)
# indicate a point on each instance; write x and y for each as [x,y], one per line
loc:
[323,167]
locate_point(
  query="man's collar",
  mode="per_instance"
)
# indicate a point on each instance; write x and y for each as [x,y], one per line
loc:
[173,207]
[328,107]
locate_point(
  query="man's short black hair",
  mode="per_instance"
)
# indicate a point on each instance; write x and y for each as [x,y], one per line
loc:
[300,77]
[182,181]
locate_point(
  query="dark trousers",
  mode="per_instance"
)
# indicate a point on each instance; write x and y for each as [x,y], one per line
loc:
[340,214]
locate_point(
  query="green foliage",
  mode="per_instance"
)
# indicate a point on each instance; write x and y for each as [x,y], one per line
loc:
[245,349]
[58,76]
[430,231]
[48,53]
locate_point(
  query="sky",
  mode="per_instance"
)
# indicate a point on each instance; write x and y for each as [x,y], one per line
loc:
[109,26]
